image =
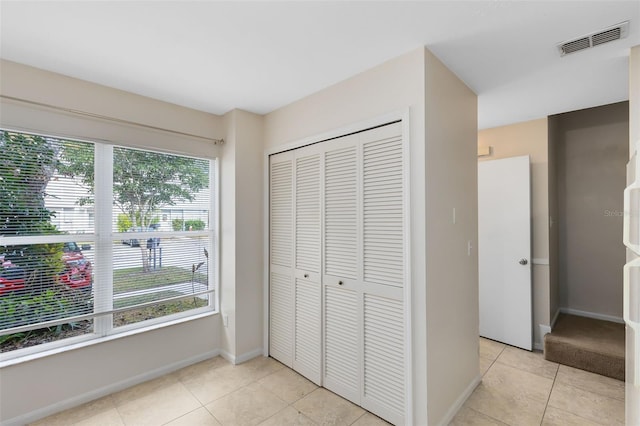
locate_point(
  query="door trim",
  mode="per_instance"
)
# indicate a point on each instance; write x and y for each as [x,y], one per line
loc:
[403,116]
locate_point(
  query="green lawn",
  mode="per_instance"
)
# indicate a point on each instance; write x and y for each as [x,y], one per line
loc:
[132,279]
[144,298]
[156,311]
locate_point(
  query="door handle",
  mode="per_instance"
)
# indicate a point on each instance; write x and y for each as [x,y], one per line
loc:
[523,261]
[306,275]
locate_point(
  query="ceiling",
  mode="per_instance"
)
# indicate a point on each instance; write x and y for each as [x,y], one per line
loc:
[259,56]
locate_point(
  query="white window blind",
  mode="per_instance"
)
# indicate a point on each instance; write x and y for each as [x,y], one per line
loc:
[75,263]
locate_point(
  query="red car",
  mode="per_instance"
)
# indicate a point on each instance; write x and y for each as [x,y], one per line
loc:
[77,270]
[76,274]
[11,276]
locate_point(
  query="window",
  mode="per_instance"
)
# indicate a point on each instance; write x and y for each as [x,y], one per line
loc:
[97,239]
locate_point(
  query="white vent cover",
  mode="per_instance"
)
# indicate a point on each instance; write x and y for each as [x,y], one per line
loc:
[615,32]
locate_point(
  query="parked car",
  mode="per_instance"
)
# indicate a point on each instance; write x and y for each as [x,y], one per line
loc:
[133,242]
[77,271]
[151,242]
[12,277]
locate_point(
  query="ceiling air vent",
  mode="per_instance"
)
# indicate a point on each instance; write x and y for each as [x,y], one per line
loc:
[615,32]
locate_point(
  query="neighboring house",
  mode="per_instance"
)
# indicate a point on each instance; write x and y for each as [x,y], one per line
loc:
[62,198]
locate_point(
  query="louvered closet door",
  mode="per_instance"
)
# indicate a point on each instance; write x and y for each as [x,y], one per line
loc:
[307,349]
[281,271]
[338,253]
[383,269]
[363,276]
[341,278]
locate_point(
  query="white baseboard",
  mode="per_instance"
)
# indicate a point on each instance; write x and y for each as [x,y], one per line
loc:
[239,359]
[544,329]
[591,315]
[228,356]
[106,390]
[453,410]
[249,355]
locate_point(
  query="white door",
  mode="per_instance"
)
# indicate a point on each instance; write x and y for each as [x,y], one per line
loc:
[307,325]
[281,293]
[364,278]
[341,279]
[504,251]
[295,260]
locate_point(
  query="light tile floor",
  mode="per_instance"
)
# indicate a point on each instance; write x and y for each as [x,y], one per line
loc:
[522,388]
[518,388]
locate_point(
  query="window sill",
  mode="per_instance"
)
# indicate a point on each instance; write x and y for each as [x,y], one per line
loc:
[90,340]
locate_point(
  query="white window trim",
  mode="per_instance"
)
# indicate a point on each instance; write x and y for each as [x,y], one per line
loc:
[103,199]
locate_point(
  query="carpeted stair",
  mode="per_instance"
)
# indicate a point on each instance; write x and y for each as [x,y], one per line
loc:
[588,344]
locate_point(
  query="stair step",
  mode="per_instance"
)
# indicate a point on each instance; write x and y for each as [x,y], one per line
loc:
[588,344]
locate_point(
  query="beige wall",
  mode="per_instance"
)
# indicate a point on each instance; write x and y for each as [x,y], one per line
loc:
[530,138]
[36,85]
[417,81]
[228,238]
[241,235]
[452,272]
[592,156]
[395,85]
[34,389]
[44,384]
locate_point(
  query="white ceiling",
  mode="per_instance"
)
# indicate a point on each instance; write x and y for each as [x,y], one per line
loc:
[259,56]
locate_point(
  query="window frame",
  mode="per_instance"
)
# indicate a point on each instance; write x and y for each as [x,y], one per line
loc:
[104,236]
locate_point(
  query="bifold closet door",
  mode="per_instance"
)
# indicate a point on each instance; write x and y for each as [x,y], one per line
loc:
[364,270]
[338,257]
[341,279]
[295,262]
[281,276]
[384,254]
[307,348]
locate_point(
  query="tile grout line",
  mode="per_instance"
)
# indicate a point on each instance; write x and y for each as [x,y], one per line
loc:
[117,409]
[553,385]
[490,366]
[359,417]
[182,415]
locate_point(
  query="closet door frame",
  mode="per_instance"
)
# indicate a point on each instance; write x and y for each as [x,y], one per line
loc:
[400,115]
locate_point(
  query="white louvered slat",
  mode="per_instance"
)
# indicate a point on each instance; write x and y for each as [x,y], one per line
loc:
[384,387]
[308,346]
[281,213]
[307,203]
[341,342]
[281,323]
[341,213]
[383,232]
